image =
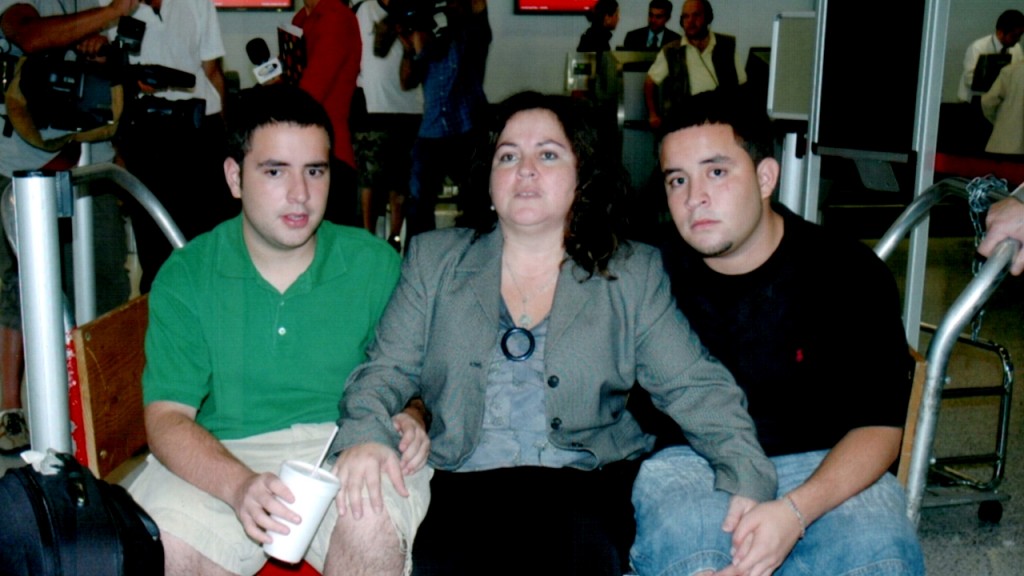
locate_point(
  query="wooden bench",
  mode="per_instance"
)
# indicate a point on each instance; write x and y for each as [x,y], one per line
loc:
[108,356]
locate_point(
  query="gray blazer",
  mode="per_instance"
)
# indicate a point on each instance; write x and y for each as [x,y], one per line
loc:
[440,330]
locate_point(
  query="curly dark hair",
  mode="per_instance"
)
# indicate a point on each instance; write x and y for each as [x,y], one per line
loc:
[594,229]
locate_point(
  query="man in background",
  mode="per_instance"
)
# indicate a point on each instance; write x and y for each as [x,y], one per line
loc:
[1005,40]
[699,62]
[967,122]
[163,133]
[1003,106]
[33,27]
[655,35]
[450,65]
[386,133]
[333,52]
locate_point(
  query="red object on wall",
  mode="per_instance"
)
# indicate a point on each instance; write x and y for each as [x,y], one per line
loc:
[1008,167]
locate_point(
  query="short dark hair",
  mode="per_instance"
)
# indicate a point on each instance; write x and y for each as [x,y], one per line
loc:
[265,105]
[749,122]
[594,230]
[601,9]
[1010,20]
[661,5]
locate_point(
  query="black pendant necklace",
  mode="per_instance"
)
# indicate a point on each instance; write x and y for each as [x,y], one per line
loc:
[518,344]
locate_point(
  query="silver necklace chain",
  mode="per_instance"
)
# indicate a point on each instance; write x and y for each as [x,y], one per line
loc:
[524,317]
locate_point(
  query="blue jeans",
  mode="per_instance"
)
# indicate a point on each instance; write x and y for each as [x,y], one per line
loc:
[679,522]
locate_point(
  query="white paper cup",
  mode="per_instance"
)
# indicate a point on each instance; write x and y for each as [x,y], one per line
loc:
[314,491]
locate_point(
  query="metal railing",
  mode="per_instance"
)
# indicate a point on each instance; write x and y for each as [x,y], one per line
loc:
[970,301]
[29,209]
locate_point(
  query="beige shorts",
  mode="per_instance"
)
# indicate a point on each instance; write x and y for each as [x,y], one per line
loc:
[210,526]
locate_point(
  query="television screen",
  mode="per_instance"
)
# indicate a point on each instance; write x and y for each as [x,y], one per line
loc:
[254,4]
[554,6]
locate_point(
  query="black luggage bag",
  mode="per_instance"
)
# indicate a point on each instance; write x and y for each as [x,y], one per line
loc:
[72,524]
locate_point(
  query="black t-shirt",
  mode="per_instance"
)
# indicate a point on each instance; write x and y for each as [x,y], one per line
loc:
[813,336]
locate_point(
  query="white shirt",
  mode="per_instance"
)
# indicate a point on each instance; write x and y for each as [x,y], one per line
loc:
[654,38]
[1003,105]
[379,77]
[698,66]
[183,36]
[984,45]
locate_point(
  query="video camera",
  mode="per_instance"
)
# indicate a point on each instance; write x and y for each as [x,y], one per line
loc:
[407,15]
[415,15]
[76,96]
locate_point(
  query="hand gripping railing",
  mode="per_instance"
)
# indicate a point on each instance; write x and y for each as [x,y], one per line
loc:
[30,219]
[956,318]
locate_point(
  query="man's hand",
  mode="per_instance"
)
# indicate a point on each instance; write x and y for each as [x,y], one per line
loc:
[738,507]
[1005,220]
[92,45]
[359,468]
[413,41]
[415,444]
[24,27]
[762,536]
[257,499]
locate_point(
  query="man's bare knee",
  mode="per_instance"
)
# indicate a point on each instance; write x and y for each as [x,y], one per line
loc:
[180,559]
[367,546]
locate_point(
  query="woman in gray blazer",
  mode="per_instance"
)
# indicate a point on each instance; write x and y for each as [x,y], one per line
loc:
[524,338]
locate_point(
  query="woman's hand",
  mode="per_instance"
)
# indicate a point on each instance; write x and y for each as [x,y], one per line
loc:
[763,535]
[362,468]
[415,444]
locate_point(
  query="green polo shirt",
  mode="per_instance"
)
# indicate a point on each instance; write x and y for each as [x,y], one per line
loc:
[250,359]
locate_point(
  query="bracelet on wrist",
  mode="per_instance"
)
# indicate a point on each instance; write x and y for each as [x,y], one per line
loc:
[798,514]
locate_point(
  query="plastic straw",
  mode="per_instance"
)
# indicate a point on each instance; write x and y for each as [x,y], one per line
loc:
[323,455]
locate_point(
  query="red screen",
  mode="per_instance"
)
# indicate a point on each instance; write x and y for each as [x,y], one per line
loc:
[254,4]
[554,6]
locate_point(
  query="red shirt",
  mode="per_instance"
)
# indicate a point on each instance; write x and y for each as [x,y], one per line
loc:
[333,52]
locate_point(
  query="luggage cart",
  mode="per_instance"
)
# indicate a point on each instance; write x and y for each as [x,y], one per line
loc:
[949,476]
[940,482]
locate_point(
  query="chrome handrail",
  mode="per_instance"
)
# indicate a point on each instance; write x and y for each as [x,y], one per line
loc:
[970,301]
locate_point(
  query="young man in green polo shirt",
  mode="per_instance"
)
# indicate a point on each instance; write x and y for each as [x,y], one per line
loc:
[253,329]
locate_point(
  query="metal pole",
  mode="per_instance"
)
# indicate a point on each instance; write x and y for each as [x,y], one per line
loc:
[926,129]
[812,162]
[791,185]
[84,261]
[35,194]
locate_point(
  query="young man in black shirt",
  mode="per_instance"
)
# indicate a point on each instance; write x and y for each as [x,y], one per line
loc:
[809,324]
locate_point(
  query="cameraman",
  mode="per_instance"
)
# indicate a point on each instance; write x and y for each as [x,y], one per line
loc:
[29,27]
[162,134]
[450,64]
